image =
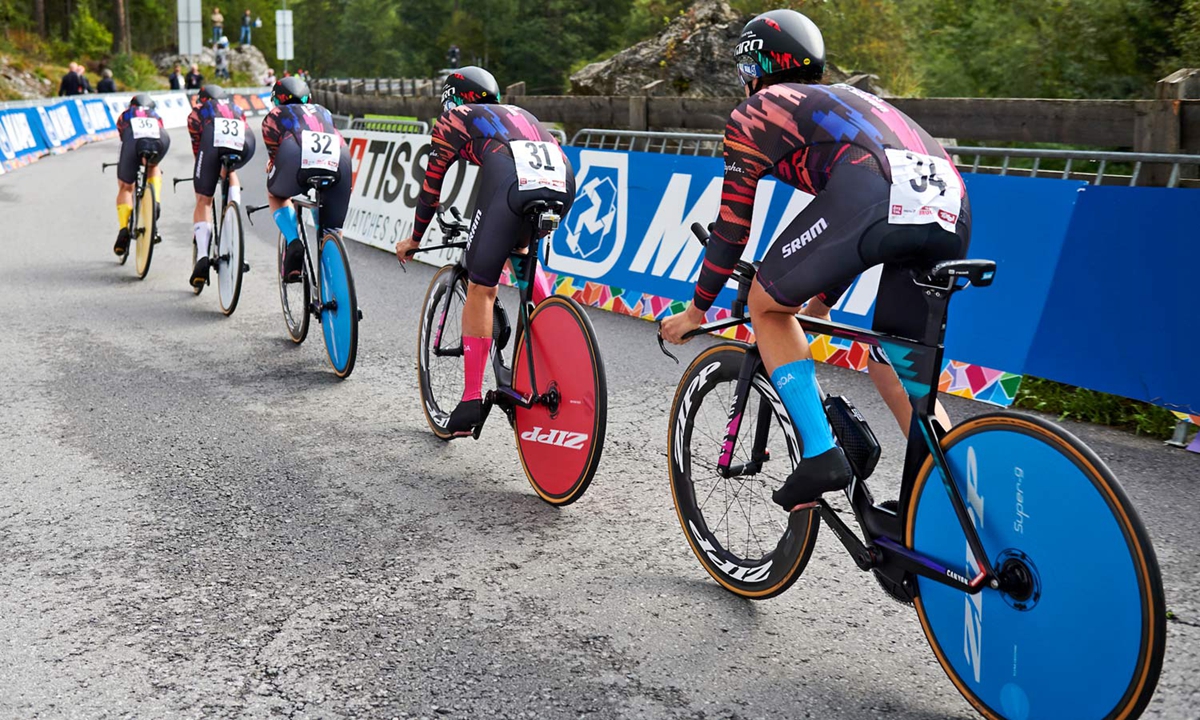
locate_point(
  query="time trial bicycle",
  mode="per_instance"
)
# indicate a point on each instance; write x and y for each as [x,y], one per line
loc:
[327,295]
[143,221]
[1034,580]
[553,390]
[226,248]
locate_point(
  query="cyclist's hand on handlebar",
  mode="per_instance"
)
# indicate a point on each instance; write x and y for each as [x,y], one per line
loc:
[675,327]
[404,249]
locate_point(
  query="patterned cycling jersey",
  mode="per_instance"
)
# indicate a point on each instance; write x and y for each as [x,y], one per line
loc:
[799,134]
[203,115]
[477,134]
[288,121]
[132,112]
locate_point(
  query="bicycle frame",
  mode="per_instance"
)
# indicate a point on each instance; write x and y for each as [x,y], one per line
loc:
[918,362]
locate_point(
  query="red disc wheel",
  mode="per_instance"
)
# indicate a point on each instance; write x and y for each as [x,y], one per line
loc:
[560,445]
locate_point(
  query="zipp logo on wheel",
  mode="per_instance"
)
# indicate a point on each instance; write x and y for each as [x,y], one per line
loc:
[561,438]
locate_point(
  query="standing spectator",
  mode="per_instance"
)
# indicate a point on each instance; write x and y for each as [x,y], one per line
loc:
[71,84]
[176,79]
[194,79]
[453,56]
[268,78]
[222,61]
[106,84]
[247,23]
[218,22]
[84,83]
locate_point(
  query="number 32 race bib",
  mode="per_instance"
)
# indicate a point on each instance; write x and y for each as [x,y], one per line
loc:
[320,150]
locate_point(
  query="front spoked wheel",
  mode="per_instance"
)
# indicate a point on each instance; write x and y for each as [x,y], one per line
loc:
[560,442]
[339,306]
[294,297]
[229,258]
[146,229]
[440,348]
[746,542]
[1077,627]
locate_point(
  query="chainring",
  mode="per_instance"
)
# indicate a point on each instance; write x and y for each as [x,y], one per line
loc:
[894,590]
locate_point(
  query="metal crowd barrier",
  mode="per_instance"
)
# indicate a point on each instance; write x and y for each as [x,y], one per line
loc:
[1096,163]
[341,122]
[674,143]
[419,127]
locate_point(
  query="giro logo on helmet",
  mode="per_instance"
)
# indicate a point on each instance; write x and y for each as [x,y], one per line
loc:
[748,46]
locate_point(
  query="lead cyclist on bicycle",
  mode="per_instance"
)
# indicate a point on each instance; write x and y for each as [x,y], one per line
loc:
[140,129]
[886,192]
[513,151]
[217,128]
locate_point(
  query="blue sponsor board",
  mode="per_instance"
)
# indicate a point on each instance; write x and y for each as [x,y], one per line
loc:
[21,139]
[61,125]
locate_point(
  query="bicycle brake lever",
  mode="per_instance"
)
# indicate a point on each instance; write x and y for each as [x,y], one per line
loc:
[663,346]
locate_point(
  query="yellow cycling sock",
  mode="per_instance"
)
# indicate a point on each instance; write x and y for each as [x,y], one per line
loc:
[123,213]
[156,183]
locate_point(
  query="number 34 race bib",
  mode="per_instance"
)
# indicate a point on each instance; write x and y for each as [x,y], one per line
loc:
[320,150]
[539,165]
[925,189]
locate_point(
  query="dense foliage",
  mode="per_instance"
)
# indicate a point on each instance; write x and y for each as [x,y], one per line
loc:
[1045,48]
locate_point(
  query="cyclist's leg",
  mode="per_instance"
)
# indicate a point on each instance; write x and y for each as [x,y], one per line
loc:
[235,185]
[819,249]
[127,164]
[335,199]
[205,174]
[282,184]
[154,174]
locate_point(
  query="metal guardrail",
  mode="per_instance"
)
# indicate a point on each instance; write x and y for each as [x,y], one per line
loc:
[341,122]
[558,135]
[1096,163]
[419,127]
[673,143]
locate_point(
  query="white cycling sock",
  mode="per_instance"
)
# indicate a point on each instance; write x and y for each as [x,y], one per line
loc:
[235,194]
[202,231]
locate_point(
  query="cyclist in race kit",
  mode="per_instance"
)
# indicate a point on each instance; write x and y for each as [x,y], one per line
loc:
[886,193]
[302,142]
[501,140]
[218,128]
[140,129]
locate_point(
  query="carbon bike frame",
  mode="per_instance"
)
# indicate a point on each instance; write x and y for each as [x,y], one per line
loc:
[314,285]
[227,166]
[918,362]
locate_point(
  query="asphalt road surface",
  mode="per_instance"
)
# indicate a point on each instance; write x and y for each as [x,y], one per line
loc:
[198,519]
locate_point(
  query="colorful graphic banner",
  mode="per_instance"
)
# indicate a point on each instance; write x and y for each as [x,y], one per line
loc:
[21,139]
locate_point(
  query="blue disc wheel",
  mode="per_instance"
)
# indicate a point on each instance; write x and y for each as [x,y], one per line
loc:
[1077,627]
[339,306]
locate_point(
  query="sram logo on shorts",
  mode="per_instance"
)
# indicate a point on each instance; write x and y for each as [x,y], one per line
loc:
[809,235]
[561,438]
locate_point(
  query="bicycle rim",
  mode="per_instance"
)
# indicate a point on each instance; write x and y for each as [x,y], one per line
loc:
[340,322]
[294,297]
[1086,637]
[229,258]
[441,376]
[560,449]
[144,242]
[746,542]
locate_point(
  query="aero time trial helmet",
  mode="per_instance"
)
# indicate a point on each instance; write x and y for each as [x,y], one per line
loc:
[211,92]
[143,100]
[469,86]
[289,90]
[780,44]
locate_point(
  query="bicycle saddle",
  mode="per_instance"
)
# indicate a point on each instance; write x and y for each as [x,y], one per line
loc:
[320,182]
[979,272]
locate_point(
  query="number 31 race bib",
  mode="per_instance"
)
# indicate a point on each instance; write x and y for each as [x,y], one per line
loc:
[320,150]
[925,189]
[539,165]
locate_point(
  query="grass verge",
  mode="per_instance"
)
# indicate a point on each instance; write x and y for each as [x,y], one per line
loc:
[1068,402]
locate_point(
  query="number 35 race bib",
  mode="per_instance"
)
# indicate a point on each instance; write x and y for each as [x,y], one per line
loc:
[925,189]
[539,165]
[320,150]
[229,133]
[144,127]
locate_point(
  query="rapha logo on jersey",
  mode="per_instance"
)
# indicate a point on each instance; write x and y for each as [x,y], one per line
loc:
[809,235]
[748,46]
[590,241]
[561,438]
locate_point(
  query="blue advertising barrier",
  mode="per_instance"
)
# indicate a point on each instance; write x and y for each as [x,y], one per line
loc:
[61,125]
[1055,309]
[21,139]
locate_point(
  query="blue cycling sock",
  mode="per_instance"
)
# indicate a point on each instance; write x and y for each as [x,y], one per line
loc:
[797,386]
[285,220]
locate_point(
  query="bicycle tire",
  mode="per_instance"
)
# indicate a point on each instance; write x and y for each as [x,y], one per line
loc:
[294,297]
[431,387]
[1066,646]
[339,324]
[146,228]
[560,451]
[230,254]
[779,566]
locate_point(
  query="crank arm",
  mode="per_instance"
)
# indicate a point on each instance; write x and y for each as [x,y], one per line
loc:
[918,564]
[864,555]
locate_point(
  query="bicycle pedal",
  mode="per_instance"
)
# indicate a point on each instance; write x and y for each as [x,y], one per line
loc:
[157,239]
[360,315]
[245,267]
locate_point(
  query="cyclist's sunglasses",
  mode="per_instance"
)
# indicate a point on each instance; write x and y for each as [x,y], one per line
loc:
[748,69]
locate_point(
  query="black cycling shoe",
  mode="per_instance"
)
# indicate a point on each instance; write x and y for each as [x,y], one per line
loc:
[200,272]
[813,477]
[293,262]
[121,246]
[465,417]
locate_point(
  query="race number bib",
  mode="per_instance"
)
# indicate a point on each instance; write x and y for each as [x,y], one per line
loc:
[925,189]
[144,127]
[229,133]
[539,165]
[320,150]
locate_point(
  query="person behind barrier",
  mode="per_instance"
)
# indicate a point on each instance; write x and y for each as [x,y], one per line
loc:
[218,128]
[302,143]
[142,136]
[519,162]
[886,193]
